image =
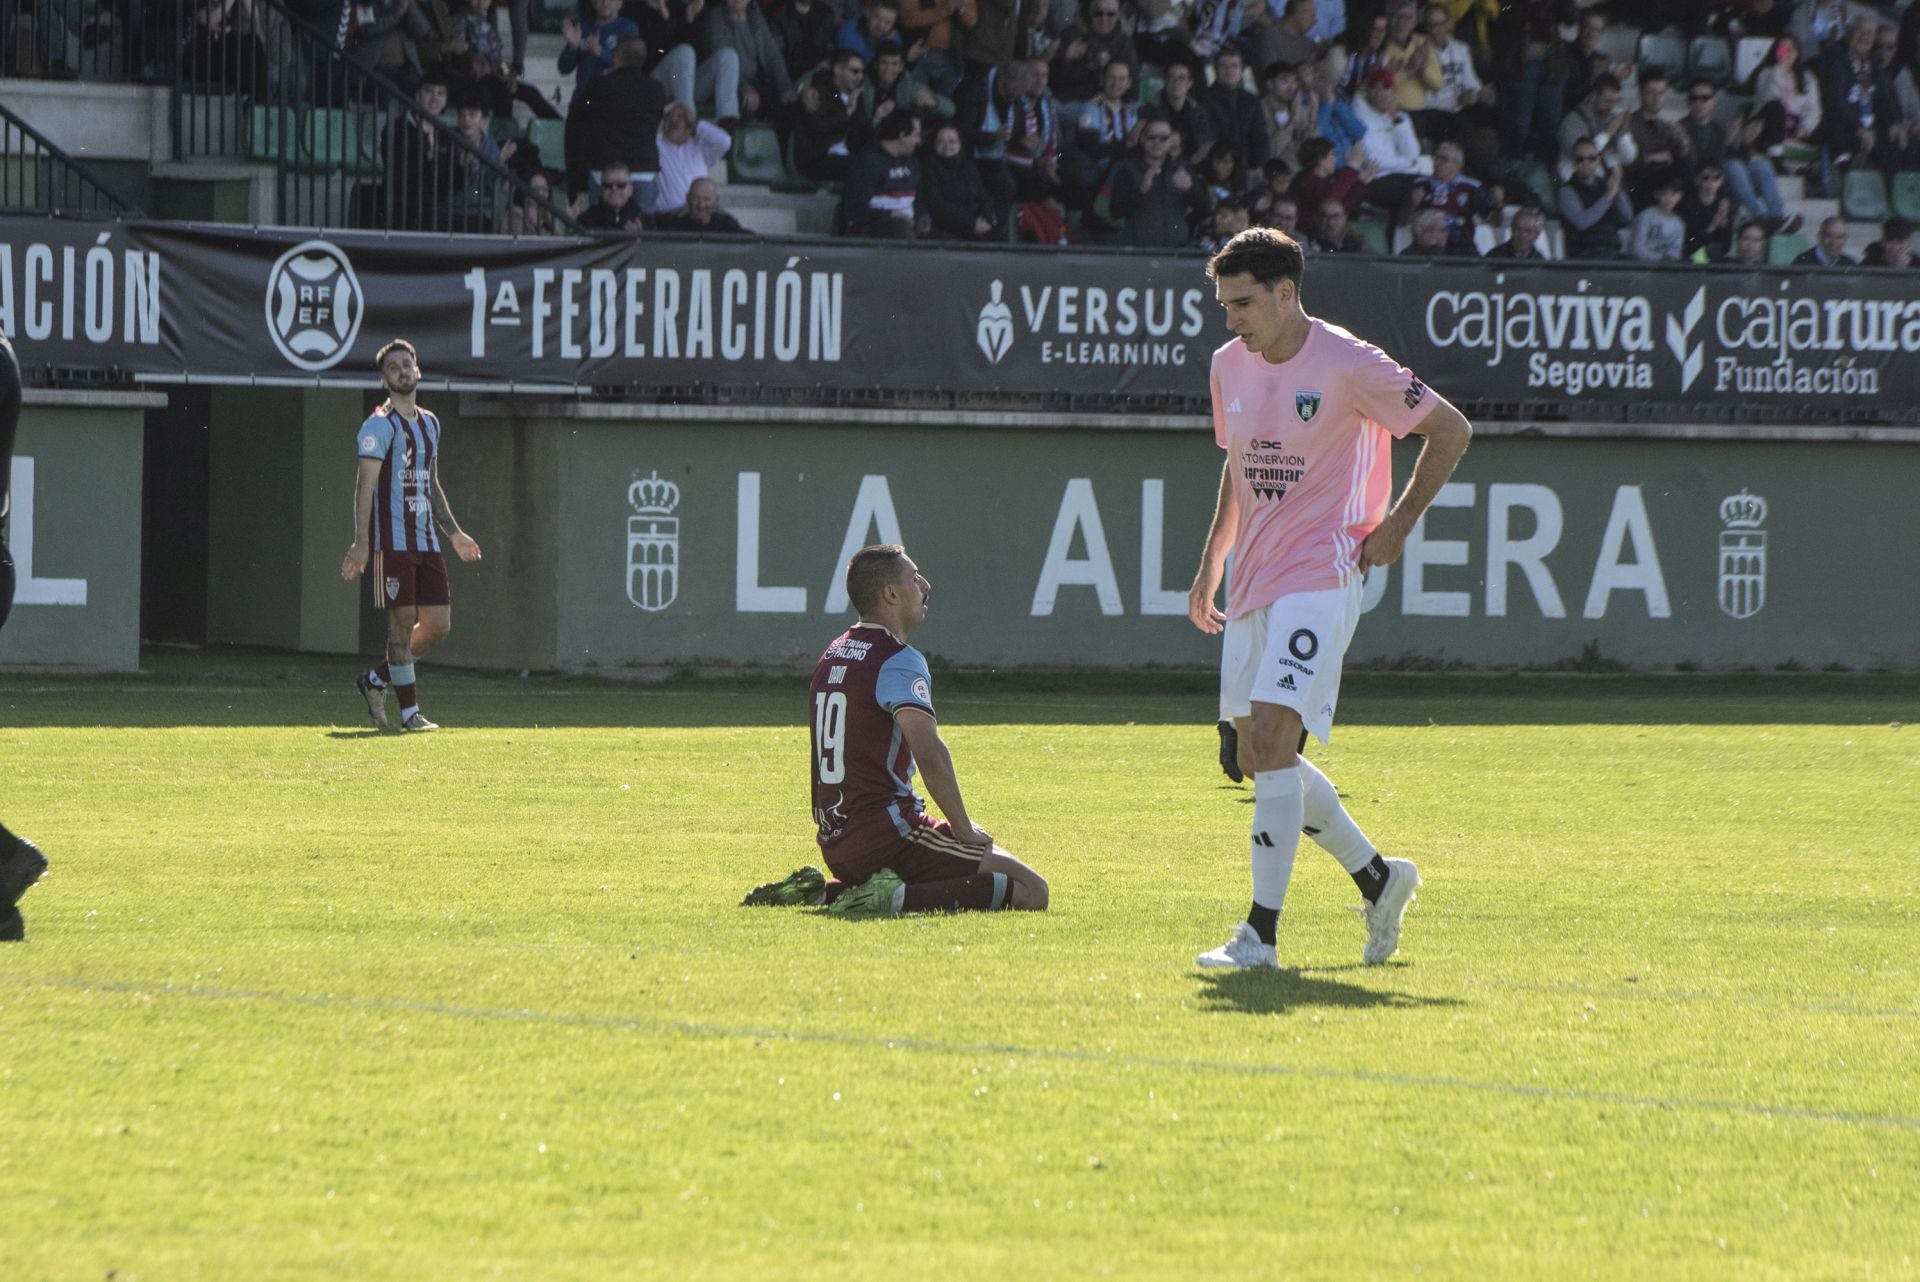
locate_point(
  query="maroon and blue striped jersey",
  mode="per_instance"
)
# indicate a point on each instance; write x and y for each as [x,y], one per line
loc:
[402,500]
[862,767]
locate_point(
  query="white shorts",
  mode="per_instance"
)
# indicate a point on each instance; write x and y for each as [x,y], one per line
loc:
[1290,653]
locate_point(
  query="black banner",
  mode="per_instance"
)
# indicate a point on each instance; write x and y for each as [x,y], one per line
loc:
[158,301]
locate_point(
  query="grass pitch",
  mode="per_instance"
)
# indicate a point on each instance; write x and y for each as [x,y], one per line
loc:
[303,1002]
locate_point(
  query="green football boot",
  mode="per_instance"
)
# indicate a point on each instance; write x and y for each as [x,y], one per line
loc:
[871,898]
[801,886]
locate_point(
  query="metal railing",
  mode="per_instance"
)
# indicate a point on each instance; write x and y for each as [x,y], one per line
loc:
[255,83]
[36,176]
[81,39]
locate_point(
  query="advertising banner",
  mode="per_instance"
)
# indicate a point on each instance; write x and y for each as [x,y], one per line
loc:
[159,301]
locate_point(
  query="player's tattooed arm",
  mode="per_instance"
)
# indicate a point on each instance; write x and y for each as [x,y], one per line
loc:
[467,549]
[365,479]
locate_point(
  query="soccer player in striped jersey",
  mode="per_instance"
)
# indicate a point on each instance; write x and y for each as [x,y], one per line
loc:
[871,710]
[399,511]
[1307,414]
[21,862]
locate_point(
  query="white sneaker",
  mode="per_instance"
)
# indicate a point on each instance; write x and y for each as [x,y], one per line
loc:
[1243,950]
[1384,914]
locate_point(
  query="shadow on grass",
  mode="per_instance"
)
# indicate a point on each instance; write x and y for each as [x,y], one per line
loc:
[1279,992]
[264,688]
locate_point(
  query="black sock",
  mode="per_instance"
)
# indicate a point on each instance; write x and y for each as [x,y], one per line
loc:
[1372,879]
[1263,921]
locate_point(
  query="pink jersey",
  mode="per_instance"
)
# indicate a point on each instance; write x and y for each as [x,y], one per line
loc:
[1307,441]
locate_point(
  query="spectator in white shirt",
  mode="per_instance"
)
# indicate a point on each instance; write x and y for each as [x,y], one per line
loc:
[689,147]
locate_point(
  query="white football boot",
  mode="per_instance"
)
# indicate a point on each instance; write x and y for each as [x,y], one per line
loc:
[1242,951]
[1384,914]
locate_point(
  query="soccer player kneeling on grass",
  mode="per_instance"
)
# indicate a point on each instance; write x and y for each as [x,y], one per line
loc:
[871,705]
[21,862]
[1307,414]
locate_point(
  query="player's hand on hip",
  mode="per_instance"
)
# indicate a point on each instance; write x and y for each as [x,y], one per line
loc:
[354,563]
[1383,546]
[1205,615]
[467,549]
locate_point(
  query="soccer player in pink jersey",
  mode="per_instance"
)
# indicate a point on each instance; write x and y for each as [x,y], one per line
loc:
[871,709]
[399,510]
[1307,414]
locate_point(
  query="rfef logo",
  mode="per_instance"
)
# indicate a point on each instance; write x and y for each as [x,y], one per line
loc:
[314,305]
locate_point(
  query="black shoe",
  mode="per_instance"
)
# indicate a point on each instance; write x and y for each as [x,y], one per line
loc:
[13,927]
[19,870]
[1230,751]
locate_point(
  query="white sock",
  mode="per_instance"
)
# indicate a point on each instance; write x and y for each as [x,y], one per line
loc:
[1328,823]
[1276,833]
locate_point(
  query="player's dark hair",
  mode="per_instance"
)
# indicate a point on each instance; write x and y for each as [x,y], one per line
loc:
[871,570]
[1267,254]
[397,345]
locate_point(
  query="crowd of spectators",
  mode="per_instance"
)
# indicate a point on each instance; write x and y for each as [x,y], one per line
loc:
[1451,125]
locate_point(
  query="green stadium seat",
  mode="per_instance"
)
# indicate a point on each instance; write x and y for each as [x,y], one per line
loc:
[755,157]
[1539,180]
[265,127]
[1711,57]
[550,136]
[1151,87]
[792,181]
[335,140]
[1864,197]
[1906,194]
[504,129]
[1665,51]
[1785,246]
[1374,232]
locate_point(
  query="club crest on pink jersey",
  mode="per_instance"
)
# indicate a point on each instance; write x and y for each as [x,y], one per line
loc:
[1308,404]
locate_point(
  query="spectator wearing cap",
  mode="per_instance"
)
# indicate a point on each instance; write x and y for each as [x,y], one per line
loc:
[831,121]
[1830,249]
[1178,107]
[1390,144]
[589,50]
[1333,232]
[615,210]
[1096,40]
[881,197]
[1659,235]
[703,215]
[753,80]
[1593,208]
[1894,248]
[940,27]
[689,147]
[1153,196]
[951,193]
[1708,212]
[1750,176]
[1523,239]
[1234,110]
[1750,244]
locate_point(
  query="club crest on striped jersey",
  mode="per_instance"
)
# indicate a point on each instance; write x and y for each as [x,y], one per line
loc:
[1308,404]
